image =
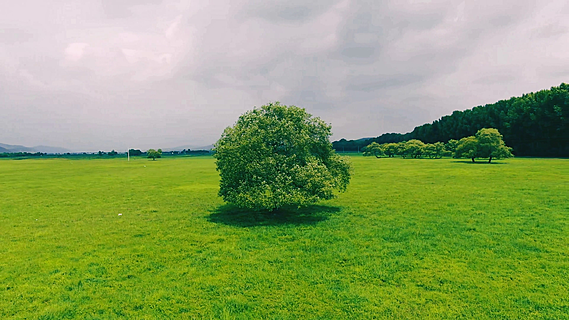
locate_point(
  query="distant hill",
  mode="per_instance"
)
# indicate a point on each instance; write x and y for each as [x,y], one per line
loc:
[9,148]
[48,149]
[190,147]
[359,144]
[16,148]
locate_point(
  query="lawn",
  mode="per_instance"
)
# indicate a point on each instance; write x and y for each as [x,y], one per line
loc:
[414,238]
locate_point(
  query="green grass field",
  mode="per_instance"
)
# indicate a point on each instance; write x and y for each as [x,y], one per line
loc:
[410,239]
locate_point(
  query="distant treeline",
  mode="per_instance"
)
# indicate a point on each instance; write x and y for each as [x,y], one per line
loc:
[136,152]
[113,153]
[358,145]
[20,154]
[535,124]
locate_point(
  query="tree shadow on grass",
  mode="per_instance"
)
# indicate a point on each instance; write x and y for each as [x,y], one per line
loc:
[478,162]
[230,215]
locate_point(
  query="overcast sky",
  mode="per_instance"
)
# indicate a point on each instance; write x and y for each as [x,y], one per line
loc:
[112,74]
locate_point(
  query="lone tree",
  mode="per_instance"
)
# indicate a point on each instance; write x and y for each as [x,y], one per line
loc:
[278,156]
[154,153]
[491,145]
[487,143]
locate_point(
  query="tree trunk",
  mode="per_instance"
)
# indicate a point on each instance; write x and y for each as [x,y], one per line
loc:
[490,159]
[473,160]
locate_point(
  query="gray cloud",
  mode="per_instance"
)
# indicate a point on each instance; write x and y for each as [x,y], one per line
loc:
[90,75]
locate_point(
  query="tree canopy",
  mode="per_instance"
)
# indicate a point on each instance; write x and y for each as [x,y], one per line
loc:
[487,143]
[278,156]
[374,149]
[151,153]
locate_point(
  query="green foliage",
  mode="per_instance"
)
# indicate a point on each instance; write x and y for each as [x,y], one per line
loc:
[278,156]
[451,146]
[467,148]
[439,149]
[487,143]
[434,150]
[134,152]
[21,155]
[409,149]
[357,145]
[413,148]
[491,145]
[151,153]
[374,149]
[443,240]
[390,149]
[535,124]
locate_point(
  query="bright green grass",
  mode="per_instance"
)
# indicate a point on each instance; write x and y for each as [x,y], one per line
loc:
[410,239]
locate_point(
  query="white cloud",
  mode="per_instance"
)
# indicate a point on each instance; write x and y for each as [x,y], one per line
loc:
[75,51]
[173,28]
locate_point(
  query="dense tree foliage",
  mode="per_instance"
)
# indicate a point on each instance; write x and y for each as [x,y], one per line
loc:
[358,145]
[535,124]
[435,150]
[278,156]
[344,145]
[491,145]
[374,149]
[487,143]
[467,148]
[151,153]
[134,152]
[408,149]
[20,154]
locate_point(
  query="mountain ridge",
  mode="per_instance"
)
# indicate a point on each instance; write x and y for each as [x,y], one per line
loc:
[12,148]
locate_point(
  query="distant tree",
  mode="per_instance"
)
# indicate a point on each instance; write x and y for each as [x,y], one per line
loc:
[374,149]
[439,149]
[487,143]
[429,150]
[390,149]
[134,152]
[491,145]
[467,148]
[401,150]
[451,145]
[101,153]
[151,153]
[414,148]
[113,153]
[534,124]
